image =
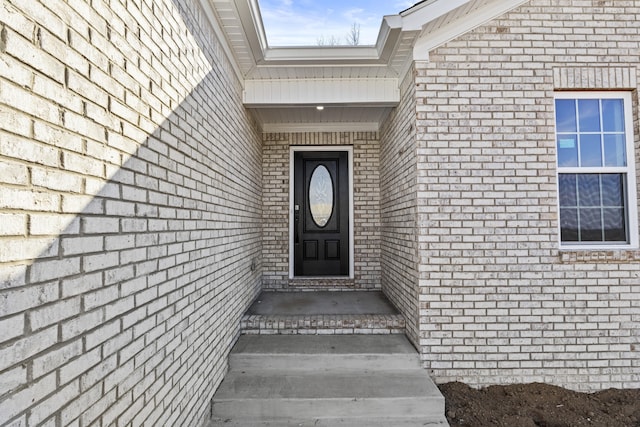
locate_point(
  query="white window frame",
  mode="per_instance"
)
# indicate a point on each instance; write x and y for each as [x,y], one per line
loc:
[630,170]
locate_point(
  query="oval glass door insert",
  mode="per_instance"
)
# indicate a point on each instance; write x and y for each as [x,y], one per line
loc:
[321,196]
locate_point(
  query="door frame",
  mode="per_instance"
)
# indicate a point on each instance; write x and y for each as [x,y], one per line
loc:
[343,148]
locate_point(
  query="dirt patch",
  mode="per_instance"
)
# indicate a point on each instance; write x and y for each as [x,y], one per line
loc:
[539,405]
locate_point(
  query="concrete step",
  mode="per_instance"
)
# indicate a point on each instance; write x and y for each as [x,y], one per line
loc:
[326,380]
[322,302]
[273,394]
[335,422]
[336,352]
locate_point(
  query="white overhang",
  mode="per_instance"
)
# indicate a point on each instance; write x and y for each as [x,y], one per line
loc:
[351,92]
[360,83]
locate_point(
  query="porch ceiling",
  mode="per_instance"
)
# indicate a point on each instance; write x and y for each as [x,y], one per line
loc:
[357,85]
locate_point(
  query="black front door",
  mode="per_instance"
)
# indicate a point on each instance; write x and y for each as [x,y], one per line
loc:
[321,213]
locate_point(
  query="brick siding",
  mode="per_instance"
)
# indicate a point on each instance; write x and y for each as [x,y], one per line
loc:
[398,189]
[130,212]
[500,303]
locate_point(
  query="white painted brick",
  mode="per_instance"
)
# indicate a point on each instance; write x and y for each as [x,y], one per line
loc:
[53,313]
[56,180]
[25,51]
[11,198]
[13,378]
[78,163]
[17,249]
[13,173]
[82,245]
[22,100]
[27,347]
[61,397]
[103,261]
[13,224]
[11,327]
[65,136]
[74,327]
[42,271]
[100,225]
[21,400]
[53,225]
[100,297]
[53,359]
[76,367]
[84,401]
[18,300]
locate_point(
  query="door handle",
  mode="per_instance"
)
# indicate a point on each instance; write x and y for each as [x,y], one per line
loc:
[296,216]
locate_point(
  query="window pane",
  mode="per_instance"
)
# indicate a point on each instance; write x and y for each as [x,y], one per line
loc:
[567,150]
[590,225]
[614,150]
[566,115]
[589,114]
[590,150]
[568,187]
[614,225]
[588,190]
[612,115]
[612,190]
[591,136]
[569,225]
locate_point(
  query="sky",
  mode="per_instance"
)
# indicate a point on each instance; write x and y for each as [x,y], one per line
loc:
[305,22]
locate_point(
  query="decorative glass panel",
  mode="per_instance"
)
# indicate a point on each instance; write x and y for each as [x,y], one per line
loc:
[321,196]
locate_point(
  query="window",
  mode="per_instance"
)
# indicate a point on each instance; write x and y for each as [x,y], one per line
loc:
[596,174]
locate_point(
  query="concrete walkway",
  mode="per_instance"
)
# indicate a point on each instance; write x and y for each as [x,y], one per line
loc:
[325,359]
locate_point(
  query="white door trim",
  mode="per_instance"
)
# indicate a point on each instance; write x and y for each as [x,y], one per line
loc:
[349,150]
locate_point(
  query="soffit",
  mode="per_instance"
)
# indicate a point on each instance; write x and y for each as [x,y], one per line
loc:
[403,38]
[241,23]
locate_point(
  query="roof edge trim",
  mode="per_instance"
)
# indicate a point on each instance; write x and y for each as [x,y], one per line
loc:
[427,42]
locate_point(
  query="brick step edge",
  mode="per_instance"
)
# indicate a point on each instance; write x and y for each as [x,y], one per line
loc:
[345,323]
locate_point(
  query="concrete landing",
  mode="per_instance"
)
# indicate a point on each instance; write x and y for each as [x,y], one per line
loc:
[321,302]
[372,380]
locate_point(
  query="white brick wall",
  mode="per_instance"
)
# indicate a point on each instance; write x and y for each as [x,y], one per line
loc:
[499,302]
[398,188]
[130,212]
